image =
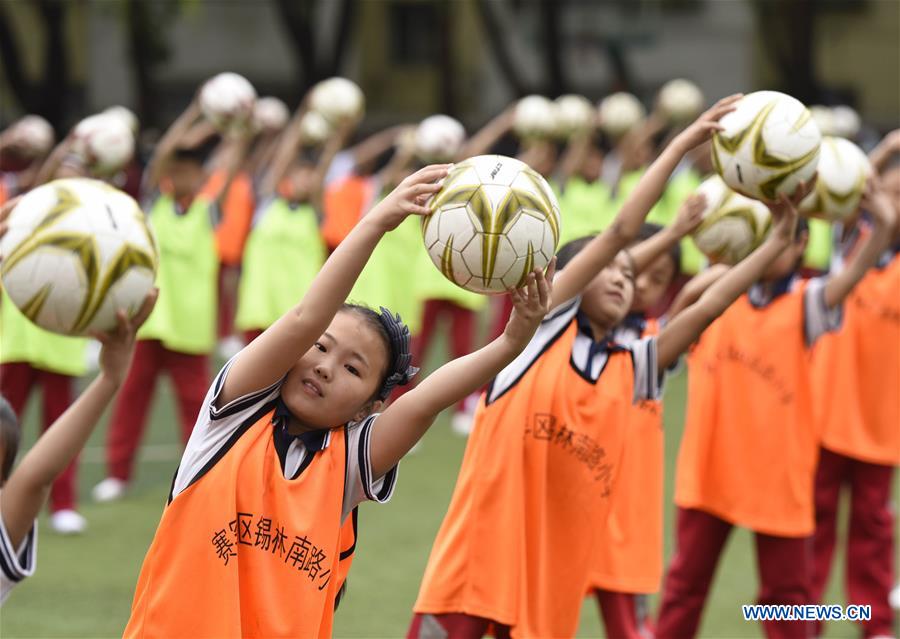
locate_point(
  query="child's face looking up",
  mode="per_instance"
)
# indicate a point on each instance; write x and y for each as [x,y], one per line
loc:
[653,282]
[608,297]
[335,381]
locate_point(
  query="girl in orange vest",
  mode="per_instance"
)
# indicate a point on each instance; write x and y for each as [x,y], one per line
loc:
[515,550]
[259,531]
[749,449]
[628,561]
[856,380]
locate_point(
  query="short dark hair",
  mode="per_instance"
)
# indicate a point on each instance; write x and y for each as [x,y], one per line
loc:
[648,230]
[569,250]
[9,434]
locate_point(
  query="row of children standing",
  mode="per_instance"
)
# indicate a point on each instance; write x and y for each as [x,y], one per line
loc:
[293,183]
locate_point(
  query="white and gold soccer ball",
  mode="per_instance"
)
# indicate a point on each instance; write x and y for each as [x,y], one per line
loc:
[680,100]
[314,128]
[534,117]
[494,221]
[32,135]
[439,138]
[270,115]
[842,174]
[733,225]
[338,100]
[574,114]
[620,112]
[77,251]
[104,142]
[127,116]
[227,101]
[769,145]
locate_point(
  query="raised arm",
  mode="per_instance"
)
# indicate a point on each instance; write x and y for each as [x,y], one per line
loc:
[697,285]
[270,356]
[684,329]
[575,154]
[885,150]
[285,151]
[489,134]
[169,142]
[879,205]
[602,249]
[373,146]
[335,143]
[27,488]
[51,165]
[404,422]
[690,214]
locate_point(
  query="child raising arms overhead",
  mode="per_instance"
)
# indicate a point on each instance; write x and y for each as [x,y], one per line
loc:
[258,534]
[25,488]
[516,548]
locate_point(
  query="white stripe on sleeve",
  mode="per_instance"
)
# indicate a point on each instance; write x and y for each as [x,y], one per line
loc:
[818,319]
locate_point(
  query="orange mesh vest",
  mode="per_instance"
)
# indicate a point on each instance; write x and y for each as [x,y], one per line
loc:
[237,214]
[749,449]
[856,376]
[245,552]
[630,547]
[534,487]
[344,204]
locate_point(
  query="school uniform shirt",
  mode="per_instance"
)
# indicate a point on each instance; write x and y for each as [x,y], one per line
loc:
[856,377]
[16,563]
[750,445]
[537,478]
[260,527]
[629,549]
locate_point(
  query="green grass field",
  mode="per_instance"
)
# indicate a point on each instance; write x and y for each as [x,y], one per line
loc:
[83,586]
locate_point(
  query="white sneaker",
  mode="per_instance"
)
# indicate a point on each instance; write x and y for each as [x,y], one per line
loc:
[461,424]
[110,489]
[67,522]
[894,597]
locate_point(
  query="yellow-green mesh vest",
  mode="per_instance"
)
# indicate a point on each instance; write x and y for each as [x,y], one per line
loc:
[818,248]
[586,208]
[388,277]
[282,256]
[682,185]
[184,318]
[22,341]
[665,210]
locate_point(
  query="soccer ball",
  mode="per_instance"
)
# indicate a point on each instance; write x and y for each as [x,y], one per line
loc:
[846,122]
[494,221]
[33,135]
[733,225]
[534,117]
[227,101]
[824,119]
[338,100]
[104,142]
[842,174]
[77,251]
[270,115]
[127,116]
[574,114]
[769,145]
[439,138]
[680,100]
[314,128]
[620,112]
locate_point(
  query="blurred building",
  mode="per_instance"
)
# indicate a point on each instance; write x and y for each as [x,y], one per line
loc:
[414,57]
